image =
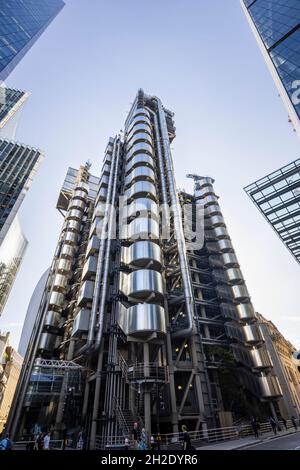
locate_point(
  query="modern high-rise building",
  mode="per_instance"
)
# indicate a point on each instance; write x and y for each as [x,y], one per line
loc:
[31,313]
[21,24]
[277,196]
[18,166]
[276,26]
[12,252]
[145,316]
[11,104]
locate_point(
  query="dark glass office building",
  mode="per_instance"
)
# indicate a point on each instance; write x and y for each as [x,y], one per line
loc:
[18,165]
[11,103]
[21,23]
[276,25]
[277,196]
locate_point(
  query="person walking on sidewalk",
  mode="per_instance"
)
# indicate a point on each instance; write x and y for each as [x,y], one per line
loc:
[273,425]
[284,422]
[293,419]
[254,425]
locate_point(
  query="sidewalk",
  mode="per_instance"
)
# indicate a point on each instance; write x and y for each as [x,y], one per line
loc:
[241,443]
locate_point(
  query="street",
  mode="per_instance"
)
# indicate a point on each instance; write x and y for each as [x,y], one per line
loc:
[290,442]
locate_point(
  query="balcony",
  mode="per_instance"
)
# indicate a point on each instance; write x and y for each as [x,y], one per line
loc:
[142,254]
[60,283]
[141,173]
[269,387]
[138,120]
[141,228]
[74,214]
[140,160]
[81,323]
[212,210]
[214,221]
[64,266]
[142,147]
[234,276]
[240,293]
[137,128]
[225,246]
[86,293]
[143,137]
[93,246]
[56,301]
[47,342]
[142,207]
[142,285]
[76,203]
[52,321]
[230,260]
[141,189]
[90,268]
[67,251]
[142,319]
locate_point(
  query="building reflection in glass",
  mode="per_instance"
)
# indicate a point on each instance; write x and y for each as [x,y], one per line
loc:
[12,251]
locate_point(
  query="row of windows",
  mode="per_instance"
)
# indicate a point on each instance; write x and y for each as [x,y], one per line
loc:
[275,19]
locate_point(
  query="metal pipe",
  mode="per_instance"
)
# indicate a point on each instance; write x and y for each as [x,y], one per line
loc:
[187,286]
[107,256]
[96,295]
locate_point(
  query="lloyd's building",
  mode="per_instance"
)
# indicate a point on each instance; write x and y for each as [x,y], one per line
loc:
[136,322]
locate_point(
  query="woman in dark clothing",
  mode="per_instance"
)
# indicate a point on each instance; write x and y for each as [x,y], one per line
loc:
[186,439]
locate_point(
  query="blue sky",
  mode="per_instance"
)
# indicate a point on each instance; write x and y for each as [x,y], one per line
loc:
[201,58]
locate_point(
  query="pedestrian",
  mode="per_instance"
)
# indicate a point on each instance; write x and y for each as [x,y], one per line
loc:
[126,443]
[152,443]
[80,441]
[293,419]
[158,441]
[5,443]
[273,425]
[258,427]
[284,422]
[186,438]
[46,441]
[40,441]
[254,427]
[31,443]
[135,435]
[143,440]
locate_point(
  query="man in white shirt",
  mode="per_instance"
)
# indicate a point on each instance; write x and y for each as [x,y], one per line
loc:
[47,441]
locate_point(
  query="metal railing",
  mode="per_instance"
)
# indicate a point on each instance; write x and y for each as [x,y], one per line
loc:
[23,445]
[198,438]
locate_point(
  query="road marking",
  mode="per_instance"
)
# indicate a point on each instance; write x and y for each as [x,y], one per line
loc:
[296,448]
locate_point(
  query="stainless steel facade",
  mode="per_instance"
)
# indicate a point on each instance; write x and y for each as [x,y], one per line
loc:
[148,324]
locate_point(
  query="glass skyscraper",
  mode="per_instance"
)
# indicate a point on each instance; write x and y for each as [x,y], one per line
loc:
[11,104]
[12,252]
[18,165]
[21,23]
[276,25]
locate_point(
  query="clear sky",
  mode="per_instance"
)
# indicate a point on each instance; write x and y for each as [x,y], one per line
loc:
[201,59]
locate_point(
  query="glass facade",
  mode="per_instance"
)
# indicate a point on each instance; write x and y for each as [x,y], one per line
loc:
[278,25]
[12,251]
[277,196]
[11,103]
[18,165]
[21,24]
[31,315]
